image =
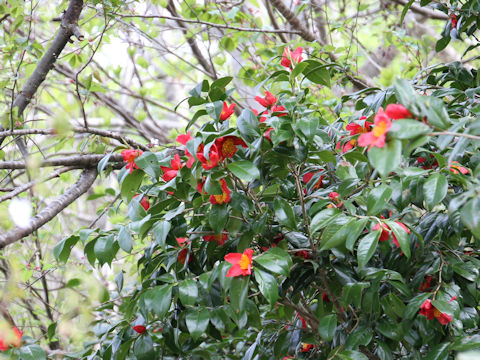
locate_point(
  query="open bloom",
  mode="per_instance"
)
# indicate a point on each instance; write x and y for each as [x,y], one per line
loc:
[308,176]
[183,139]
[213,157]
[280,110]
[144,202]
[10,339]
[241,263]
[385,235]
[355,128]
[183,254]
[455,168]
[306,347]
[227,146]
[220,239]
[397,111]
[427,309]
[224,197]
[268,101]
[376,137]
[347,146]
[139,329]
[171,172]
[129,156]
[289,57]
[227,111]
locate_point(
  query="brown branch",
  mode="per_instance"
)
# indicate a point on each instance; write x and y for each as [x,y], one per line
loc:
[200,22]
[77,161]
[53,209]
[69,27]
[423,11]
[193,44]
[80,130]
[271,15]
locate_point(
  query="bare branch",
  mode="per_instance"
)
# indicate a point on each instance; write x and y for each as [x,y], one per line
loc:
[53,209]
[438,15]
[77,161]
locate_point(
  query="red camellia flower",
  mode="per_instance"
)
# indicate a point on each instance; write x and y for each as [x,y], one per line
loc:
[183,139]
[427,309]
[268,101]
[397,111]
[454,20]
[355,128]
[349,145]
[213,157]
[325,297]
[171,172]
[455,168]
[306,347]
[129,156]
[303,253]
[241,263]
[376,137]
[220,239]
[144,202]
[333,195]
[289,57]
[426,284]
[227,111]
[139,329]
[182,255]
[385,235]
[10,340]
[308,176]
[222,198]
[227,146]
[280,110]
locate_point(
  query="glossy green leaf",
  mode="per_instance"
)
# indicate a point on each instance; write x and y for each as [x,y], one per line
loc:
[378,198]
[188,292]
[276,261]
[62,250]
[401,235]
[386,159]
[435,189]
[366,247]
[125,239]
[284,213]
[327,327]
[267,285]
[244,170]
[158,299]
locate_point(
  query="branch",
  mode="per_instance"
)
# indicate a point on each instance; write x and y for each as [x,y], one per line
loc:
[80,130]
[77,161]
[54,208]
[219,26]
[423,11]
[68,28]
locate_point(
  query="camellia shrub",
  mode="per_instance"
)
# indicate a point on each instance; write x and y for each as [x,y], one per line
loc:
[291,232]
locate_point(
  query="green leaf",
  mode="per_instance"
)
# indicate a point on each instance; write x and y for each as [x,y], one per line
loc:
[222,82]
[405,10]
[439,352]
[130,185]
[148,162]
[217,218]
[366,247]
[413,306]
[284,213]
[267,285]
[464,343]
[469,215]
[32,352]
[158,299]
[401,235]
[327,327]
[355,231]
[339,237]
[105,249]
[322,219]
[442,43]
[408,129]
[143,348]
[188,292]
[244,170]
[317,73]
[214,109]
[103,163]
[197,322]
[160,231]
[435,189]
[351,355]
[125,239]
[275,260]
[378,198]
[386,159]
[62,250]
[239,293]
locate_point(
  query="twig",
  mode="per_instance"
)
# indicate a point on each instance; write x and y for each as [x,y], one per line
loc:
[450,133]
[78,161]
